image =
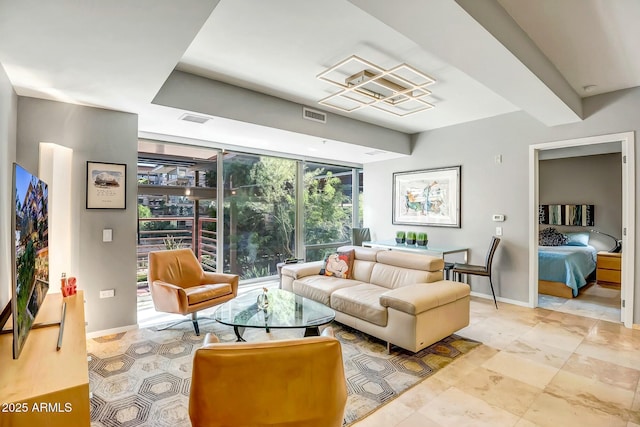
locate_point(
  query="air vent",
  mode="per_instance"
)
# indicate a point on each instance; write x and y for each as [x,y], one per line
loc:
[314,115]
[374,152]
[195,119]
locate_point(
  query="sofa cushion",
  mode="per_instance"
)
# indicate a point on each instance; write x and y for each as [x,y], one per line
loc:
[338,264]
[411,260]
[320,288]
[361,301]
[362,270]
[362,253]
[420,297]
[392,277]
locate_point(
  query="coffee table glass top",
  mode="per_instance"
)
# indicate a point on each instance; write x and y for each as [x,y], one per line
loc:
[285,310]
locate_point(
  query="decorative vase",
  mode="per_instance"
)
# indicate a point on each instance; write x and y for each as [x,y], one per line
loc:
[399,241]
[263,299]
[422,242]
[411,241]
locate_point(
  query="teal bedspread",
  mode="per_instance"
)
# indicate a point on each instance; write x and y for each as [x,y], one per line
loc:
[567,264]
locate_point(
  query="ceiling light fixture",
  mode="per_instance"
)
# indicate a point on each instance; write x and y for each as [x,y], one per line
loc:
[399,90]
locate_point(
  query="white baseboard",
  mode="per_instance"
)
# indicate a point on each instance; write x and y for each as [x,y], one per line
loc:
[96,334]
[500,299]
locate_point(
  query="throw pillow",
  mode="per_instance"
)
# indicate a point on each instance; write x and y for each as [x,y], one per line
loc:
[577,239]
[551,237]
[338,264]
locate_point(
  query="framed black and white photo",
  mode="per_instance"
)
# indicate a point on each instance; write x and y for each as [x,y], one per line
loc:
[427,197]
[106,185]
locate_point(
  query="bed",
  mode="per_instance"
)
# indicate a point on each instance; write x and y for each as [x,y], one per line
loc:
[564,269]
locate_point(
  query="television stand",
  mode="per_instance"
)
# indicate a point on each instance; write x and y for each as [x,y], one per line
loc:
[6,314]
[44,376]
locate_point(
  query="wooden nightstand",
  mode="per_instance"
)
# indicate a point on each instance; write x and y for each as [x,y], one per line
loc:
[608,269]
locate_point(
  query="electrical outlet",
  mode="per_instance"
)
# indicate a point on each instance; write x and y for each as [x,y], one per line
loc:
[498,231]
[108,293]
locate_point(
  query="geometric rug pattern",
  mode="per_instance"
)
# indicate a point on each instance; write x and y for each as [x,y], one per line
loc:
[142,377]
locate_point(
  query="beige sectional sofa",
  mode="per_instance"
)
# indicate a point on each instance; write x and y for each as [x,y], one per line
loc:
[396,296]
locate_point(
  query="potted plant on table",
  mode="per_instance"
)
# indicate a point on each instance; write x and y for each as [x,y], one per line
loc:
[411,237]
[422,239]
[399,237]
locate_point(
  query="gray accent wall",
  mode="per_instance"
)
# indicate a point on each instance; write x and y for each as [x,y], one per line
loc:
[589,180]
[8,118]
[97,135]
[489,187]
[190,92]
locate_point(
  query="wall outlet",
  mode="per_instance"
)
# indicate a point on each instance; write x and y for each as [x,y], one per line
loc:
[498,231]
[108,293]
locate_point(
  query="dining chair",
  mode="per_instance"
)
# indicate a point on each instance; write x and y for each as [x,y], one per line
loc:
[479,270]
[360,235]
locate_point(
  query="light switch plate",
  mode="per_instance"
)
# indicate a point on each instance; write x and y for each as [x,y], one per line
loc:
[498,231]
[107,235]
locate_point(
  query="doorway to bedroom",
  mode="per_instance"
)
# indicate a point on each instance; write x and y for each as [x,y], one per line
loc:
[584,275]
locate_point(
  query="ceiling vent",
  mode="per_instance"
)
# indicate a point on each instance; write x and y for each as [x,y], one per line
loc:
[375,152]
[314,115]
[194,119]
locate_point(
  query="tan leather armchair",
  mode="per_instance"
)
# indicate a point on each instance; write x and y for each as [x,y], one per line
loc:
[179,285]
[295,382]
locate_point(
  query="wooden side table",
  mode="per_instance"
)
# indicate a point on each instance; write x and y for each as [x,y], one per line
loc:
[608,269]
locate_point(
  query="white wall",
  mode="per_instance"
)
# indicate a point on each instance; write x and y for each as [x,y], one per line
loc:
[8,117]
[594,180]
[489,188]
[97,135]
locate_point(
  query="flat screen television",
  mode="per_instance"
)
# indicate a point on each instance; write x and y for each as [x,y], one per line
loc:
[30,222]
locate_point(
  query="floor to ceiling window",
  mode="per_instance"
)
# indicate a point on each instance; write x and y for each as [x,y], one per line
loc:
[259,213]
[328,208]
[271,208]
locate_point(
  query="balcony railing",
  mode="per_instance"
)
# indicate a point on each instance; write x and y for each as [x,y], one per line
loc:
[180,235]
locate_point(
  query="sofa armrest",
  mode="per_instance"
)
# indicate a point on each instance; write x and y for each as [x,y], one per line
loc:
[419,297]
[296,271]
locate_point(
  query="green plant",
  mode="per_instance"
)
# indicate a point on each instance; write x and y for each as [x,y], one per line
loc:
[170,243]
[411,235]
[399,234]
[421,237]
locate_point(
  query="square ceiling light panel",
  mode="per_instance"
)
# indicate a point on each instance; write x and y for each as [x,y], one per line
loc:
[400,90]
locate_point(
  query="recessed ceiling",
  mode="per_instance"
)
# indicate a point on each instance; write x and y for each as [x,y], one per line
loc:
[118,55]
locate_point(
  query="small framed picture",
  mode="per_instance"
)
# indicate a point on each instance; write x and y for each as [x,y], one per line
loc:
[106,185]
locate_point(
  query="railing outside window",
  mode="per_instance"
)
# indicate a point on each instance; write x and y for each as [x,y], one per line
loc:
[180,235]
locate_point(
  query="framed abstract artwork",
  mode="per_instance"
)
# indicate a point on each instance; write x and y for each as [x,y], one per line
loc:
[427,197]
[106,185]
[581,215]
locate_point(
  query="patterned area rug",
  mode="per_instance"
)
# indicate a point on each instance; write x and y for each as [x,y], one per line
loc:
[142,377]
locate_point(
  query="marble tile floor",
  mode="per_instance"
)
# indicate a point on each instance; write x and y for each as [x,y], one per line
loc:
[594,301]
[536,367]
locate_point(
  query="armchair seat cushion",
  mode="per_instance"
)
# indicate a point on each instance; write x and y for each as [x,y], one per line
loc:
[198,294]
[361,301]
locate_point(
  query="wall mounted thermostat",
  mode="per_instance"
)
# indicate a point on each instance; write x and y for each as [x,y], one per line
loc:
[498,217]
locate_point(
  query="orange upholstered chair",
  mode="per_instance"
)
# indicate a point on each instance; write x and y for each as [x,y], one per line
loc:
[294,382]
[179,285]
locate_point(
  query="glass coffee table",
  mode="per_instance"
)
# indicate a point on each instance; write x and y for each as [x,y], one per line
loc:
[285,310]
